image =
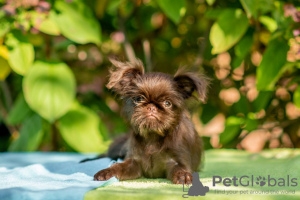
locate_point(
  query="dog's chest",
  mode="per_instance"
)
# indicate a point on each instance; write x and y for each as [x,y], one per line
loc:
[153,161]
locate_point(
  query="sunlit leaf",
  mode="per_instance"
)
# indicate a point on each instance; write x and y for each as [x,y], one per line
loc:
[173,9]
[296,97]
[4,68]
[269,22]
[210,2]
[256,7]
[80,128]
[49,89]
[77,22]
[232,129]
[272,64]
[30,136]
[228,30]
[21,52]
[4,52]
[19,112]
[49,25]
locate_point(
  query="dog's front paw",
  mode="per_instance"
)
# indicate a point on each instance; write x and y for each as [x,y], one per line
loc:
[104,175]
[182,176]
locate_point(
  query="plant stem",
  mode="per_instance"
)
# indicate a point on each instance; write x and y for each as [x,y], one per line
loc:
[147,52]
[47,46]
[7,94]
[54,137]
[127,46]
[3,110]
[199,59]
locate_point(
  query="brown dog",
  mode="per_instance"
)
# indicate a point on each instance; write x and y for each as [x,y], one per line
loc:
[162,142]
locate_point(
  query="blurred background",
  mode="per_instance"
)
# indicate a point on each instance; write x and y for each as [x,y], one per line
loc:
[54,66]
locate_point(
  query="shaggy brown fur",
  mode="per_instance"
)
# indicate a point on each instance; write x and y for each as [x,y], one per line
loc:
[162,142]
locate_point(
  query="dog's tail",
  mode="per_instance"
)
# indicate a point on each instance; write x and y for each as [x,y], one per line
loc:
[117,149]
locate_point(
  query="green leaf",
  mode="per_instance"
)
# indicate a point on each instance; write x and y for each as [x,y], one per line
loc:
[244,46]
[242,49]
[228,30]
[173,9]
[237,61]
[21,52]
[272,64]
[296,97]
[77,22]
[209,111]
[232,129]
[262,101]
[80,129]
[269,22]
[214,13]
[255,7]
[251,124]
[241,106]
[19,112]
[31,135]
[49,89]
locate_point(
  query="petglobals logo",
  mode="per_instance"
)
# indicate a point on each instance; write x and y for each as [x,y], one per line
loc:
[245,181]
[271,185]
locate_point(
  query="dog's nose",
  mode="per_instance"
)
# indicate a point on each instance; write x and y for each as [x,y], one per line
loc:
[152,109]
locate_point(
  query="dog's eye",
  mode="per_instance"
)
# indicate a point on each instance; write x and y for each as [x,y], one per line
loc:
[167,104]
[138,99]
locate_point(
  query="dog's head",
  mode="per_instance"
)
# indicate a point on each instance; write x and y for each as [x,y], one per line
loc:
[153,102]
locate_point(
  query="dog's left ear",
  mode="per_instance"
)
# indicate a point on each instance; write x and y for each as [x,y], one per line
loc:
[189,82]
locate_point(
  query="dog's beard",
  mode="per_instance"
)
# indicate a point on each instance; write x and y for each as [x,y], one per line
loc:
[144,125]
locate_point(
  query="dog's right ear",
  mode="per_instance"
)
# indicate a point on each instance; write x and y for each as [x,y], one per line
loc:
[123,75]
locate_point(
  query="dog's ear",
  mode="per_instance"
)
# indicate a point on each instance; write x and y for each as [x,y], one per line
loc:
[188,82]
[124,74]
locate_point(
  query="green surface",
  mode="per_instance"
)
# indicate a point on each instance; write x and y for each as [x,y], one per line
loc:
[277,163]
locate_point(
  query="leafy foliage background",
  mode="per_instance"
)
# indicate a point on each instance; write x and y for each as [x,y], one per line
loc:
[54,66]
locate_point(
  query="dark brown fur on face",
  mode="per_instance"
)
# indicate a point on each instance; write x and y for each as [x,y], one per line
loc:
[162,142]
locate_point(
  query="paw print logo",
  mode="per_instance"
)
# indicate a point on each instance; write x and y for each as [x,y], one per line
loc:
[260,181]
